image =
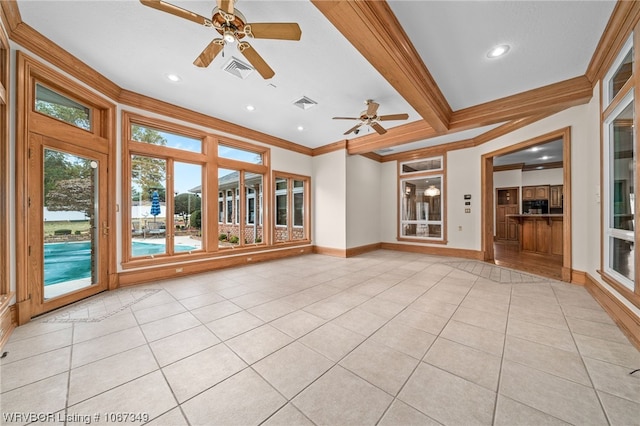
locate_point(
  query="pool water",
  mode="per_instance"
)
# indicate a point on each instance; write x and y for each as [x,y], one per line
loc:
[72,261]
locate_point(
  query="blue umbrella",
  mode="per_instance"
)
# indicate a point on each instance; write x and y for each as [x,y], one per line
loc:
[155,205]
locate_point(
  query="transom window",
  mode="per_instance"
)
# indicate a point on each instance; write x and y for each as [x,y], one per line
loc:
[63,108]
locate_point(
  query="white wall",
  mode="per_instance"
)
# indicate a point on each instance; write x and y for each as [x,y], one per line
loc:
[328,204]
[291,162]
[542,177]
[464,173]
[507,179]
[363,201]
[389,202]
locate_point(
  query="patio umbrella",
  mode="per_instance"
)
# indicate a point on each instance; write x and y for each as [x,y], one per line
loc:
[155,205]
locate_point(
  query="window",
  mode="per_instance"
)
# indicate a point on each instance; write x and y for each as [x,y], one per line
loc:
[4,168]
[298,203]
[421,200]
[229,216]
[220,207]
[241,176]
[165,191]
[239,154]
[619,176]
[158,137]
[619,74]
[281,202]
[291,207]
[253,232]
[620,193]
[426,165]
[53,104]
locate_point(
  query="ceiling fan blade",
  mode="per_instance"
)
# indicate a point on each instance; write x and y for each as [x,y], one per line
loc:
[226,5]
[256,60]
[378,128]
[209,53]
[275,30]
[372,108]
[177,11]
[354,128]
[393,117]
[346,118]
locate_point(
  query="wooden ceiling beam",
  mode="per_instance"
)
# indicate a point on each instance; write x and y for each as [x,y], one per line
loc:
[515,111]
[557,96]
[373,29]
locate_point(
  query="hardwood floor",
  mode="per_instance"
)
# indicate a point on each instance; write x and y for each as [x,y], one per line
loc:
[508,254]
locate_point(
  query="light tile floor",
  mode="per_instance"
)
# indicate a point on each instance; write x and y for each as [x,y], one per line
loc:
[384,338]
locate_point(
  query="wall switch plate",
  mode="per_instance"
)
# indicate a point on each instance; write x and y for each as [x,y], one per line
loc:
[467,210]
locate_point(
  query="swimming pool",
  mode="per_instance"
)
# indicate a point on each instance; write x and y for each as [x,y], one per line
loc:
[72,261]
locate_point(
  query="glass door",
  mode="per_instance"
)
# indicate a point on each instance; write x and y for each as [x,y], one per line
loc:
[68,250]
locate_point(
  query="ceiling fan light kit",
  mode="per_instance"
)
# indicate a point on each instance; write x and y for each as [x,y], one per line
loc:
[371,118]
[231,24]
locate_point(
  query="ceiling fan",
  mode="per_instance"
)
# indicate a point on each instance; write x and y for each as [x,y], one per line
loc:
[371,119]
[233,27]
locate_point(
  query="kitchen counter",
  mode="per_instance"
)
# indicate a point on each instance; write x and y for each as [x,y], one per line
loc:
[534,215]
[540,233]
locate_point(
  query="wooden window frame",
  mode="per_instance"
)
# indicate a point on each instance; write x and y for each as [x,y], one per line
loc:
[306,228]
[441,172]
[211,163]
[608,108]
[5,188]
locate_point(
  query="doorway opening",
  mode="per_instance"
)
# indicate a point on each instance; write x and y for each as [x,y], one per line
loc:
[526,206]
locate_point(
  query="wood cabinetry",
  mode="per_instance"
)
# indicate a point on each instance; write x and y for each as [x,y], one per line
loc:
[540,192]
[555,196]
[506,204]
[541,234]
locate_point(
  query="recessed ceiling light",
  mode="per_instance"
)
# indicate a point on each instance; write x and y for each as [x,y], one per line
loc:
[250,107]
[174,77]
[535,149]
[498,51]
[545,157]
[300,128]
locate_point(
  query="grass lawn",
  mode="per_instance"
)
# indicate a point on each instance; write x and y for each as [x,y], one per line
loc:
[51,227]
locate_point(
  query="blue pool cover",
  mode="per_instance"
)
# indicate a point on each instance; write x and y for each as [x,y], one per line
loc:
[72,261]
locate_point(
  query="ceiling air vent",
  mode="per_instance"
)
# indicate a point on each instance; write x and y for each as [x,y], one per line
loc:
[383,151]
[238,68]
[305,103]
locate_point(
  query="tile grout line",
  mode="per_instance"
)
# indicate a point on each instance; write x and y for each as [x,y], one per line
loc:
[584,365]
[395,397]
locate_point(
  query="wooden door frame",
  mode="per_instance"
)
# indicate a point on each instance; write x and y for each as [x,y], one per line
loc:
[28,71]
[487,195]
[35,220]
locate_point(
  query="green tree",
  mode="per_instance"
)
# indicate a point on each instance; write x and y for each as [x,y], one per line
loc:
[72,195]
[195,220]
[59,166]
[148,173]
[185,204]
[78,116]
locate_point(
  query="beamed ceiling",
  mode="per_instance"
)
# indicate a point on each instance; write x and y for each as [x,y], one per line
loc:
[424,58]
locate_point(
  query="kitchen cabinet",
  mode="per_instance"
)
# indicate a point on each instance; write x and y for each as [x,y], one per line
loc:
[542,234]
[555,196]
[540,192]
[506,204]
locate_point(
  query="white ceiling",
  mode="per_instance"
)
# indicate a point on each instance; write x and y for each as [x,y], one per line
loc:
[550,152]
[136,47]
